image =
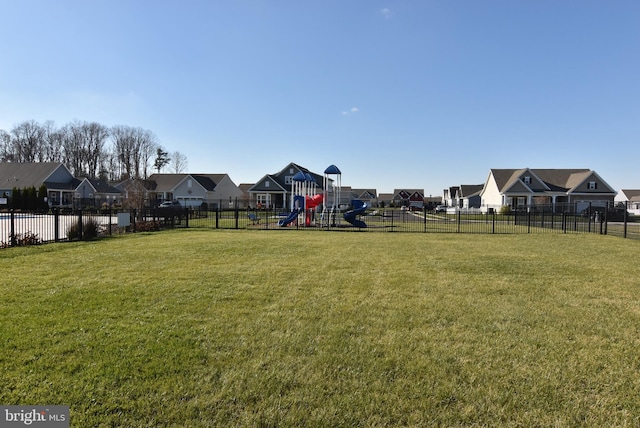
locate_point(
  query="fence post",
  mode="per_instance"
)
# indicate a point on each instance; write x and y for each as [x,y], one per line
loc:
[424,214]
[12,236]
[493,222]
[56,224]
[459,219]
[110,212]
[80,226]
[626,205]
[528,219]
[186,216]
[133,219]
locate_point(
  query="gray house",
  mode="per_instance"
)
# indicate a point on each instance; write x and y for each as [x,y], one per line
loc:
[63,189]
[463,196]
[194,190]
[274,190]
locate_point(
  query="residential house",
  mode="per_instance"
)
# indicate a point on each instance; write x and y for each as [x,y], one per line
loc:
[63,189]
[368,196]
[463,196]
[411,198]
[449,196]
[96,193]
[565,189]
[274,190]
[348,194]
[385,199]
[194,190]
[631,199]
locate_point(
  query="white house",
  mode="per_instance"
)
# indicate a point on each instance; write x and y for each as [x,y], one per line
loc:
[552,187]
[631,198]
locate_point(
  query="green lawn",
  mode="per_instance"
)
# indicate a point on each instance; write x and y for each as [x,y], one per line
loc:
[258,328]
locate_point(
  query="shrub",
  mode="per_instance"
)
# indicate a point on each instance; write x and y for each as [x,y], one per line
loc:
[90,230]
[147,226]
[22,240]
[505,209]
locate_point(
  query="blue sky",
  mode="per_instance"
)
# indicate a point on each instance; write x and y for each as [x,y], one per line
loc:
[398,94]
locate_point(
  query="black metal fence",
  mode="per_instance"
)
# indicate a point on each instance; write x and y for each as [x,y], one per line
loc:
[569,218]
[29,228]
[21,228]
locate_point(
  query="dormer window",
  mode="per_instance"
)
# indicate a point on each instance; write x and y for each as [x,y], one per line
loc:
[527,180]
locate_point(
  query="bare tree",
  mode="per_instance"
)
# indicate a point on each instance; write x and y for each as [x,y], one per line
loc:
[95,136]
[6,147]
[124,149]
[74,150]
[148,146]
[178,162]
[27,141]
[52,143]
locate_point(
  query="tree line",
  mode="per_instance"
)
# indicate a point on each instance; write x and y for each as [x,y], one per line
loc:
[90,149]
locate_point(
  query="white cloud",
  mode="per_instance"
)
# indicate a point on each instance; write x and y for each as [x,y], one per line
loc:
[352,110]
[386,12]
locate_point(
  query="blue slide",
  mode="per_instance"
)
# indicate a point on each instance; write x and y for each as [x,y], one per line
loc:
[291,217]
[359,208]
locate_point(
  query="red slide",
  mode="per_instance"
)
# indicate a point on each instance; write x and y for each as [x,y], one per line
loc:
[313,201]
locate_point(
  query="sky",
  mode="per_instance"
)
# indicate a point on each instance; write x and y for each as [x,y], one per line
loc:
[419,94]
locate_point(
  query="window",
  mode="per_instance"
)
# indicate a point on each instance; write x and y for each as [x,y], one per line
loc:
[288,179]
[527,180]
[592,185]
[189,183]
[266,183]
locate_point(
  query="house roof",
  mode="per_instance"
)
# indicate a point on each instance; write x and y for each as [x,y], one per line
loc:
[168,182]
[469,190]
[406,193]
[632,195]
[368,193]
[28,174]
[557,180]
[280,179]
[102,186]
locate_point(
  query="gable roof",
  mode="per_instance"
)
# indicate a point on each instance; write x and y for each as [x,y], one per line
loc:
[102,186]
[469,190]
[30,174]
[555,180]
[168,182]
[632,195]
[280,179]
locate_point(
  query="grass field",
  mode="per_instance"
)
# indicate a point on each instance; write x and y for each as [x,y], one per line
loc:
[256,328]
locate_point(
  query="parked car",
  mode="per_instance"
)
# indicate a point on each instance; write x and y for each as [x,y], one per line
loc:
[170,204]
[441,209]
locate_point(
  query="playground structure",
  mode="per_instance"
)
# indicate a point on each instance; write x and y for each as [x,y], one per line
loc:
[305,199]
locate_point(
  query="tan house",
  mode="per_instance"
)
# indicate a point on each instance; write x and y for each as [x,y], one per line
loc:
[573,189]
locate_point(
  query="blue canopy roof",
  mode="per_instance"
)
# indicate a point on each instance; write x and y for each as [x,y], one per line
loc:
[332,169]
[299,177]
